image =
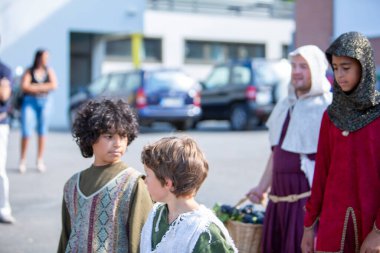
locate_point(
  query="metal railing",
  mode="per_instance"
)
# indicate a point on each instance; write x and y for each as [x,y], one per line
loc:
[254,8]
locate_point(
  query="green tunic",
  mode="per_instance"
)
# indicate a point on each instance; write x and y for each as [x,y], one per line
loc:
[217,244]
[93,179]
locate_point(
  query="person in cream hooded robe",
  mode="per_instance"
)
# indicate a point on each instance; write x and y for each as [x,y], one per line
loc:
[293,134]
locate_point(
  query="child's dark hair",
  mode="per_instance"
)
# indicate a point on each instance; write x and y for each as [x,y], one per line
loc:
[178,159]
[103,116]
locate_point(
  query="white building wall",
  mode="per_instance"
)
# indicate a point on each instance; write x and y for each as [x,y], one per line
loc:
[28,25]
[175,28]
[352,15]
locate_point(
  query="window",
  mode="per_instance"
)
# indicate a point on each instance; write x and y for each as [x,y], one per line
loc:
[130,85]
[152,48]
[120,47]
[213,52]
[81,46]
[123,48]
[99,85]
[133,81]
[195,50]
[241,75]
[256,51]
[217,52]
[233,52]
[285,51]
[167,80]
[115,82]
[219,77]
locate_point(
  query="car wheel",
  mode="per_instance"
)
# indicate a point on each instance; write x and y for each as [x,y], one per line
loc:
[181,125]
[194,124]
[239,118]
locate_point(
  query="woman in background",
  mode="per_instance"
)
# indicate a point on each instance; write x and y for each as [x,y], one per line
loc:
[36,85]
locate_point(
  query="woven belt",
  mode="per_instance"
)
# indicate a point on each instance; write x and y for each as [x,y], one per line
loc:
[289,198]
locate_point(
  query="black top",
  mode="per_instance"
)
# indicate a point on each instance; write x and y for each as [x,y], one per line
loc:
[44,79]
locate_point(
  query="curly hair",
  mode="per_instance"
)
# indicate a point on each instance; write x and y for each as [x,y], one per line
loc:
[178,159]
[97,117]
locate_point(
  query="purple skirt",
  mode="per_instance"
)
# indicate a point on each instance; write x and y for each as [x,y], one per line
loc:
[283,224]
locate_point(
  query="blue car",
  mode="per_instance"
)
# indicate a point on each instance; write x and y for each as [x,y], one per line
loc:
[162,95]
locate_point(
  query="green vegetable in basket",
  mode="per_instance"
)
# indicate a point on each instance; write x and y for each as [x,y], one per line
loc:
[246,214]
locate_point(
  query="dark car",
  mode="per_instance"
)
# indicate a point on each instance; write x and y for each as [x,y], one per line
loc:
[244,92]
[162,95]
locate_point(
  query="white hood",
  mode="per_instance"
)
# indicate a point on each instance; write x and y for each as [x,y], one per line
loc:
[307,110]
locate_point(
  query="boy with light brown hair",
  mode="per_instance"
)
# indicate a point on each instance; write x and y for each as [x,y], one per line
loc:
[176,169]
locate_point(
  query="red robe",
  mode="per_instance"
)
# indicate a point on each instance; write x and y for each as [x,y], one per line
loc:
[346,185]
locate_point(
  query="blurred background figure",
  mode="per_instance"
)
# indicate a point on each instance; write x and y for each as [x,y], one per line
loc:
[5,93]
[293,134]
[36,84]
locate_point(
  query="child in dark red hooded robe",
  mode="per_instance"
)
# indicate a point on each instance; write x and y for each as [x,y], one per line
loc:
[345,198]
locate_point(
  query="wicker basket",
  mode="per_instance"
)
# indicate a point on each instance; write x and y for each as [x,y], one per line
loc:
[247,237]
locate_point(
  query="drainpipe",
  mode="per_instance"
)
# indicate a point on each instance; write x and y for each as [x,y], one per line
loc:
[137,49]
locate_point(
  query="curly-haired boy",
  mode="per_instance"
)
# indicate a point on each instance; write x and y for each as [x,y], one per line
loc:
[105,206]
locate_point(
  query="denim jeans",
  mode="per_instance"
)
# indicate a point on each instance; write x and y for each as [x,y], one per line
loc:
[34,111]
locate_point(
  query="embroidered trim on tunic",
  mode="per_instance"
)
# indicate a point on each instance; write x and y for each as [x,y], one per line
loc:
[349,211]
[183,234]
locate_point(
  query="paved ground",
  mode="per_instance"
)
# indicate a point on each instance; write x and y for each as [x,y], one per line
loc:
[236,163]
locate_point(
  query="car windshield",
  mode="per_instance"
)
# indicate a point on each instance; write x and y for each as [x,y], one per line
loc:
[219,77]
[99,85]
[115,82]
[167,80]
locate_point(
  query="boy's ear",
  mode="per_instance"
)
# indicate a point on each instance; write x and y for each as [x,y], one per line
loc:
[169,184]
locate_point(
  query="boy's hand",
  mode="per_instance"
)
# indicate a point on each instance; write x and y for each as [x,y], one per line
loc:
[307,244]
[371,243]
[5,89]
